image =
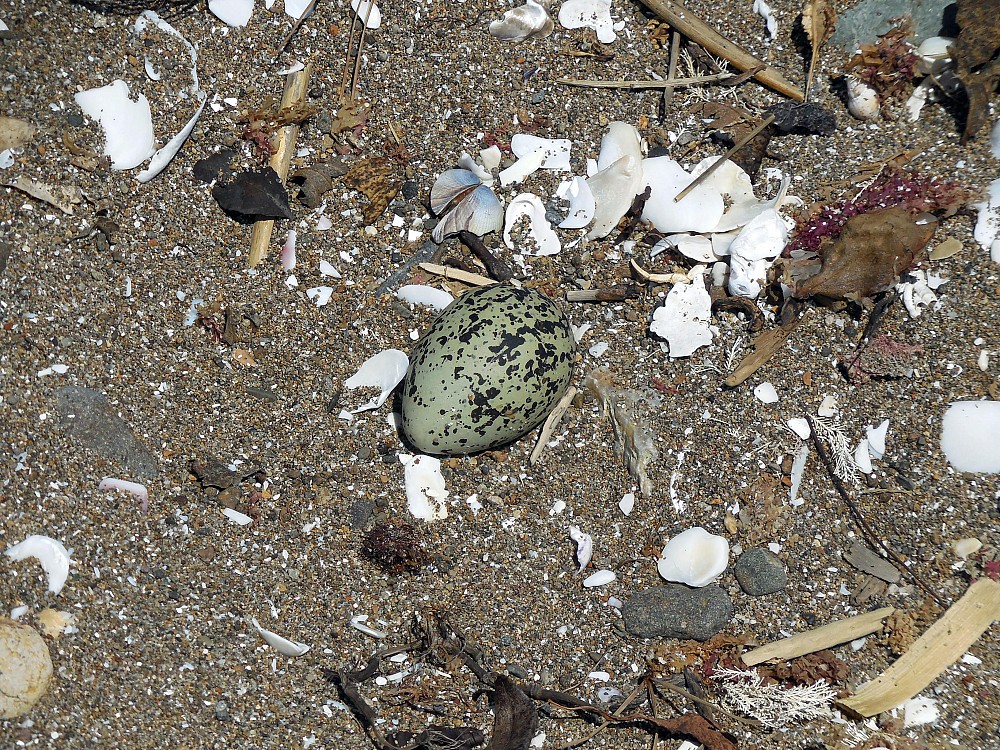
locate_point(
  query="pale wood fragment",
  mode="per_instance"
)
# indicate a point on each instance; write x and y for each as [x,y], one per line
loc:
[550,424]
[457,274]
[765,346]
[825,636]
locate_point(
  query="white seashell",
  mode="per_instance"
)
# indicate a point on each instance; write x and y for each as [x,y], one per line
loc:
[523,167]
[621,140]
[231,12]
[424,484]
[368,12]
[600,578]
[240,519]
[384,371]
[581,203]
[766,393]
[421,294]
[530,205]
[127,124]
[613,189]
[490,157]
[584,547]
[970,436]
[589,14]
[465,161]
[933,56]
[555,151]
[753,252]
[684,319]
[798,471]
[518,24]
[480,212]
[920,710]
[133,488]
[287,256]
[862,100]
[358,623]
[863,458]
[965,547]
[876,439]
[279,643]
[800,427]
[828,407]
[627,503]
[449,185]
[694,246]
[55,622]
[699,211]
[694,557]
[50,553]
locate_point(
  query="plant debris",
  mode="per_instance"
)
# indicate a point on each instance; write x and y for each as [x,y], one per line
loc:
[975,51]
[379,179]
[256,194]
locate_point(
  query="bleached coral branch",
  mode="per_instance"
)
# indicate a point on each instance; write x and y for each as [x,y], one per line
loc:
[840,449]
[773,705]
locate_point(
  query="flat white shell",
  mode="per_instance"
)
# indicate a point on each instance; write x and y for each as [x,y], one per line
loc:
[517,24]
[581,203]
[970,436]
[876,439]
[555,151]
[800,427]
[613,189]
[366,9]
[530,205]
[232,12]
[528,164]
[622,139]
[127,124]
[590,14]
[699,211]
[684,319]
[920,710]
[600,578]
[425,491]
[694,246]
[584,546]
[766,393]
[694,557]
[421,294]
[279,643]
[50,553]
[384,371]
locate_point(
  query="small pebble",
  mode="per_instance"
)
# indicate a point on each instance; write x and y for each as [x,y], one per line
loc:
[760,571]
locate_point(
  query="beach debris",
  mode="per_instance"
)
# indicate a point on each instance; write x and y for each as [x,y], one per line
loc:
[62,197]
[25,668]
[773,705]
[421,294]
[555,151]
[286,256]
[763,10]
[987,231]
[50,553]
[384,371]
[600,578]
[684,319]
[232,12]
[862,100]
[862,557]
[635,444]
[970,436]
[760,572]
[279,643]
[920,710]
[590,14]
[396,547]
[240,519]
[367,12]
[818,21]
[551,422]
[316,180]
[766,393]
[127,124]
[613,190]
[881,358]
[966,546]
[55,622]
[380,179]
[462,202]
[358,623]
[530,205]
[674,610]
[14,133]
[133,488]
[767,343]
[940,646]
[488,371]
[883,70]
[823,637]
[975,51]
[523,22]
[753,251]
[694,557]
[256,193]
[424,485]
[584,547]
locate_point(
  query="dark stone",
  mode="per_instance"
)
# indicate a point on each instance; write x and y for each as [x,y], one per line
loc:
[760,571]
[677,611]
[94,423]
[360,514]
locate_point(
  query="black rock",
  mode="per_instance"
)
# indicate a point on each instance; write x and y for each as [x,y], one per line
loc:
[254,194]
[677,611]
[760,571]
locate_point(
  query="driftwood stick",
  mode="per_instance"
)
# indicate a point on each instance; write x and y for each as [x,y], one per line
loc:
[698,31]
[296,89]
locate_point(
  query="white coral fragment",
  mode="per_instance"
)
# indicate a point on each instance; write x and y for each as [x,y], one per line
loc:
[694,557]
[530,206]
[774,706]
[50,553]
[684,319]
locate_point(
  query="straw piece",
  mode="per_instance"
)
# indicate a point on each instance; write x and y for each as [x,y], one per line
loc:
[825,636]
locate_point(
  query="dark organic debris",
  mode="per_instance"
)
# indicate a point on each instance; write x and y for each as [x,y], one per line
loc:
[881,358]
[396,547]
[257,194]
[802,117]
[868,257]
[515,716]
[439,738]
[889,65]
[212,472]
[808,669]
[214,166]
[379,179]
[976,58]
[314,181]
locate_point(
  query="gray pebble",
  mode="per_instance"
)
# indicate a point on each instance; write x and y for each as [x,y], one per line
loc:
[676,611]
[760,571]
[222,711]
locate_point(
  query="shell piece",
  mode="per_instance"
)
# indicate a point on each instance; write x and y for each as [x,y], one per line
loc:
[699,211]
[613,189]
[524,166]
[581,203]
[970,436]
[383,371]
[449,185]
[25,668]
[518,24]
[684,319]
[753,251]
[55,622]
[279,643]
[133,488]
[600,578]
[933,55]
[555,151]
[622,139]
[694,246]
[589,14]
[491,157]
[127,124]
[421,294]
[530,205]
[50,553]
[584,546]
[368,12]
[480,212]
[232,12]
[694,557]
[425,490]
[862,100]
[490,368]
[465,161]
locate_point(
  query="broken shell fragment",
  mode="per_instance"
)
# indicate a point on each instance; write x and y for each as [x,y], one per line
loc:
[613,190]
[555,151]
[589,14]
[518,24]
[621,140]
[50,553]
[384,371]
[279,643]
[699,211]
[584,546]
[581,203]
[694,557]
[530,205]
[478,209]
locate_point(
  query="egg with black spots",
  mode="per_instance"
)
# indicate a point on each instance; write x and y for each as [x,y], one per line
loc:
[489,370]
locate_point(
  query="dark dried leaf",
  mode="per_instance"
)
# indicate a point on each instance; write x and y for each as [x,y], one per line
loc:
[379,179]
[315,180]
[804,117]
[515,717]
[975,51]
[439,738]
[257,194]
[868,257]
[212,167]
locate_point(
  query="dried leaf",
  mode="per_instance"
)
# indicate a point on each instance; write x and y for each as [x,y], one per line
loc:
[14,132]
[214,166]
[315,180]
[818,20]
[351,114]
[379,179]
[258,194]
[60,196]
[974,50]
[515,717]
[868,257]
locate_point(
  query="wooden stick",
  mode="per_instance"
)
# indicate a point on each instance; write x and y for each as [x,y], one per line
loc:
[296,89]
[457,274]
[936,650]
[764,347]
[669,83]
[724,158]
[701,33]
[550,424]
[820,638]
[668,90]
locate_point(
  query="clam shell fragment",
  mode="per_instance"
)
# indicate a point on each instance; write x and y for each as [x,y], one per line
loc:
[524,22]
[476,208]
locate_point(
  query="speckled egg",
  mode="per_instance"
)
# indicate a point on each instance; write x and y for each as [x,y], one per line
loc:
[490,369]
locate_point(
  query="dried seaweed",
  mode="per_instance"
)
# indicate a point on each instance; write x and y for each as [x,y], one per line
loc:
[976,58]
[397,547]
[889,65]
[379,179]
[315,180]
[807,669]
[882,358]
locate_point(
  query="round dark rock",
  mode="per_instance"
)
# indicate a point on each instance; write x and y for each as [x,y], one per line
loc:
[676,611]
[760,571]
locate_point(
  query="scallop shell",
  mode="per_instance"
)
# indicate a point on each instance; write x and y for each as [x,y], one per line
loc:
[518,24]
[479,212]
